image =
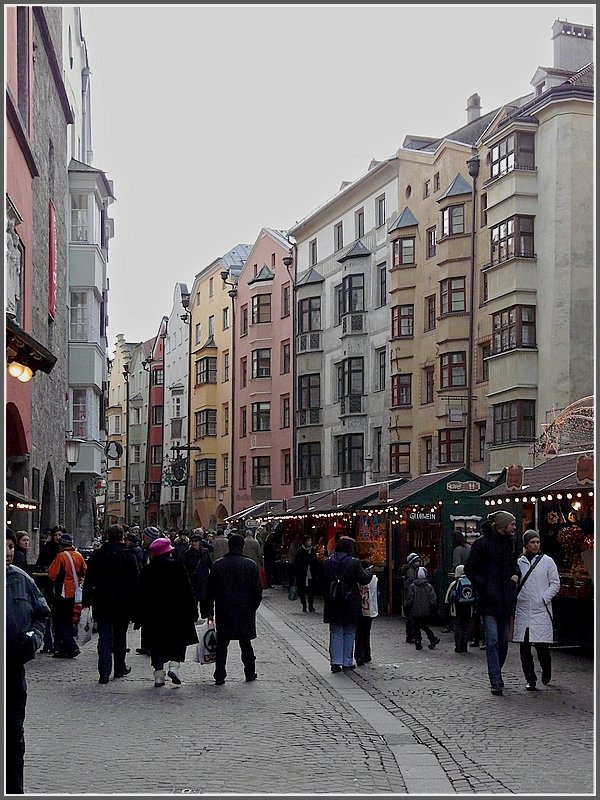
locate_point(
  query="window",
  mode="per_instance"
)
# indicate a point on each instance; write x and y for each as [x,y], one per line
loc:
[377,439]
[436,182]
[359,223]
[350,453]
[244,321]
[353,293]
[261,416]
[285,358]
[243,421]
[338,236]
[401,390]
[426,188]
[484,288]
[453,220]
[514,422]
[226,318]
[158,377]
[79,317]
[403,321]
[452,295]
[286,467]
[451,445]
[211,326]
[312,252]
[285,300]
[453,370]
[157,415]
[428,384]
[380,210]
[309,460]
[350,378]
[338,306]
[309,391]
[399,458]
[225,470]
[403,252]
[483,210]
[431,239]
[427,445]
[243,472]
[86,226]
[261,363]
[176,407]
[514,152]
[136,416]
[79,421]
[206,472]
[198,332]
[485,351]
[226,419]
[261,471]
[481,440]
[206,370]
[513,327]
[309,314]
[382,284]
[136,453]
[430,313]
[206,423]
[225,367]
[114,492]
[244,372]
[512,238]
[156,454]
[211,287]
[285,411]
[380,369]
[261,308]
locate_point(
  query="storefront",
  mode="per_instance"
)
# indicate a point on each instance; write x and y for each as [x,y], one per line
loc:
[556,498]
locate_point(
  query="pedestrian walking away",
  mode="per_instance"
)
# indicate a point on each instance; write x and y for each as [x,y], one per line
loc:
[409,573]
[460,600]
[48,551]
[67,570]
[492,569]
[307,566]
[233,595]
[342,576]
[370,609]
[198,564]
[538,584]
[165,610]
[26,611]
[420,604]
[109,589]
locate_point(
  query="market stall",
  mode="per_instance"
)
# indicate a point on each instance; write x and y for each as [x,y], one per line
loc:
[556,498]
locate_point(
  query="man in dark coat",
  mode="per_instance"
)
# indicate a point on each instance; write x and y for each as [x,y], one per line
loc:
[198,564]
[492,569]
[49,550]
[109,588]
[233,595]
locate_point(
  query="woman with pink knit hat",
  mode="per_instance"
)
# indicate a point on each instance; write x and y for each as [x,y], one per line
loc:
[166,611]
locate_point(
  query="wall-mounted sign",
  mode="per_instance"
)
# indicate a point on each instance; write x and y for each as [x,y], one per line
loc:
[463,486]
[383,493]
[113,450]
[423,516]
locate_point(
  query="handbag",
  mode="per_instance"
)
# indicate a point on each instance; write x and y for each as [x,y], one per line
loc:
[292,592]
[205,651]
[78,589]
[84,626]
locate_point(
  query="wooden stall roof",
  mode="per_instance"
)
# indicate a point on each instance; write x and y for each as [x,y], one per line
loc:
[557,474]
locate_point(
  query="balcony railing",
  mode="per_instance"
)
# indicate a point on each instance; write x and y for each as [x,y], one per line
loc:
[352,404]
[307,342]
[353,323]
[309,416]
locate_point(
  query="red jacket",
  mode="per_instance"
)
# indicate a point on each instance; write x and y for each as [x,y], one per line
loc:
[60,569]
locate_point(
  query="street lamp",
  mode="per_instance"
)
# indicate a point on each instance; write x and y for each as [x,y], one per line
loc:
[473,167]
[72,447]
[126,374]
[233,294]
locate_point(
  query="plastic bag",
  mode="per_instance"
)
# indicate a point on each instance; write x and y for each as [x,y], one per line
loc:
[206,649]
[293,592]
[84,626]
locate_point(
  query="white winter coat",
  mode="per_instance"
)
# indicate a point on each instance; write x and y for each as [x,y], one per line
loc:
[541,586]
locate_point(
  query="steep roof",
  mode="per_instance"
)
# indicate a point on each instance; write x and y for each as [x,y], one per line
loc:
[458,186]
[404,220]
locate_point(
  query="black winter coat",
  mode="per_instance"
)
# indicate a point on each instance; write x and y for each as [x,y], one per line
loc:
[110,582]
[491,563]
[350,570]
[166,607]
[234,592]
[197,564]
[305,559]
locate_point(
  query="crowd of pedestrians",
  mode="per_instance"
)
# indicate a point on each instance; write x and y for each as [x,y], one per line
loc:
[165,583]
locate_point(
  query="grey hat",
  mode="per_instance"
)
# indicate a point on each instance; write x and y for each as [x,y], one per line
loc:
[500,519]
[413,557]
[151,532]
[529,535]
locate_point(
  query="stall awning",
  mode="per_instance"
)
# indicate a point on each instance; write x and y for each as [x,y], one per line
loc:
[355,497]
[559,473]
[18,501]
[259,510]
[446,483]
[299,505]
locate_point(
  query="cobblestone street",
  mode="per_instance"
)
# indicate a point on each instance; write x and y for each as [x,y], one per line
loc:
[408,723]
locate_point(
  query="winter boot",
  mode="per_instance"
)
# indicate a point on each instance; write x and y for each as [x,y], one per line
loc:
[173,672]
[159,677]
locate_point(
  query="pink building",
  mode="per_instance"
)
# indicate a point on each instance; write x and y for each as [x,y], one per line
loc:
[262,405]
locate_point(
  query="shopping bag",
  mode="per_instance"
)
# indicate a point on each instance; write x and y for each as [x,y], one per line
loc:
[293,592]
[262,573]
[206,650]
[76,613]
[84,626]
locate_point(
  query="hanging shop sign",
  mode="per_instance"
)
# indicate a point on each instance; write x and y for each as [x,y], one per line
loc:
[423,516]
[584,470]
[514,477]
[463,486]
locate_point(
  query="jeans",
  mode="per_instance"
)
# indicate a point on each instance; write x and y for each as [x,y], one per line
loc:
[246,652]
[112,637]
[341,643]
[16,700]
[543,654]
[496,649]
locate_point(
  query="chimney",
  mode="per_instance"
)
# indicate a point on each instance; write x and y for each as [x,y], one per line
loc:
[473,108]
[573,45]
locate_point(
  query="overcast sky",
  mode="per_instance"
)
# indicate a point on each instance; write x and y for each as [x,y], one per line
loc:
[216,121]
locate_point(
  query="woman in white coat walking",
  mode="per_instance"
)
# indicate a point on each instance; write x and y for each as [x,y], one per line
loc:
[538,584]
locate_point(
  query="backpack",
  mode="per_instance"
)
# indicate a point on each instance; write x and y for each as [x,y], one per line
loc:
[462,591]
[337,590]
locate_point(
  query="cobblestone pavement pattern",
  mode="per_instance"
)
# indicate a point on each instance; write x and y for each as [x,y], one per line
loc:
[408,723]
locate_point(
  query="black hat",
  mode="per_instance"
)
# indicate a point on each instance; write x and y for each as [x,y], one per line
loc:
[196,537]
[66,539]
[132,537]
